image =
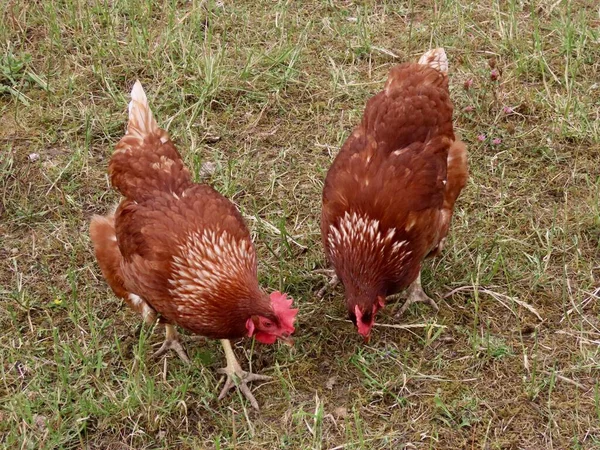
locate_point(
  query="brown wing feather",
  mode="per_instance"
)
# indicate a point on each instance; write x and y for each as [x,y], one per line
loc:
[458,173]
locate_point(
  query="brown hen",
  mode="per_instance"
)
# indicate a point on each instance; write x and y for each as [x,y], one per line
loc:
[179,252]
[390,192]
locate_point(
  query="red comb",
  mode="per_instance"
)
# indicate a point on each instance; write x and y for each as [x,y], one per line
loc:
[282,307]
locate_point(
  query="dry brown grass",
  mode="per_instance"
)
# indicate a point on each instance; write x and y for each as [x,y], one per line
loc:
[267,91]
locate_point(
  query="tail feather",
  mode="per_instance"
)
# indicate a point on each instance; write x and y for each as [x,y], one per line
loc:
[108,255]
[146,160]
[141,121]
[436,59]
[408,74]
[102,233]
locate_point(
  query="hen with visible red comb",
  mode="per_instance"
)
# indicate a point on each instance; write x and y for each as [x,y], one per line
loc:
[180,252]
[389,195]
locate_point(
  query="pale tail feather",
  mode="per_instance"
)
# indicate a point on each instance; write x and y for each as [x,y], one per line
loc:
[145,160]
[435,59]
[141,121]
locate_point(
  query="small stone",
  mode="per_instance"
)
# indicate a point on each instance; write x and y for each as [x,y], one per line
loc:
[211,138]
[40,422]
[331,382]
[207,169]
[340,412]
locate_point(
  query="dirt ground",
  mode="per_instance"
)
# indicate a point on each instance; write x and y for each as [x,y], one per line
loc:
[259,96]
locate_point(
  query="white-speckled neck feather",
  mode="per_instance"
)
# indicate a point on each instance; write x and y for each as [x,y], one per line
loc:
[207,261]
[358,242]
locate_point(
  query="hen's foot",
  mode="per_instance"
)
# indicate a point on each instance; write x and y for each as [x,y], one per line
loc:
[172,343]
[333,282]
[236,377]
[240,378]
[416,295]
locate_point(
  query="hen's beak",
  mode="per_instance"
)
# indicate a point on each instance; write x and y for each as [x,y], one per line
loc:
[367,338]
[287,340]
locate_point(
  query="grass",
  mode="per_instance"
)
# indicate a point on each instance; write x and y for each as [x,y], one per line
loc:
[266,92]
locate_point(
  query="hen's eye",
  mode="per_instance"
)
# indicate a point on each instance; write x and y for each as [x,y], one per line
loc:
[268,324]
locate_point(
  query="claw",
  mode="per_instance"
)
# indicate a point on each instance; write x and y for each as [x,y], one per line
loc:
[236,377]
[331,284]
[415,295]
[241,379]
[172,343]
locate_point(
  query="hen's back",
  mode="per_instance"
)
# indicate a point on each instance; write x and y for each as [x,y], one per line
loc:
[394,164]
[414,107]
[163,207]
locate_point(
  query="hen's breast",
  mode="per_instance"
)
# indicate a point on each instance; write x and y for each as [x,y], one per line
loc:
[211,271]
[361,248]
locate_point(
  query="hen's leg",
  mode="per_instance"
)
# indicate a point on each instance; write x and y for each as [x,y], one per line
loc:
[238,377]
[150,316]
[416,294]
[333,282]
[172,343]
